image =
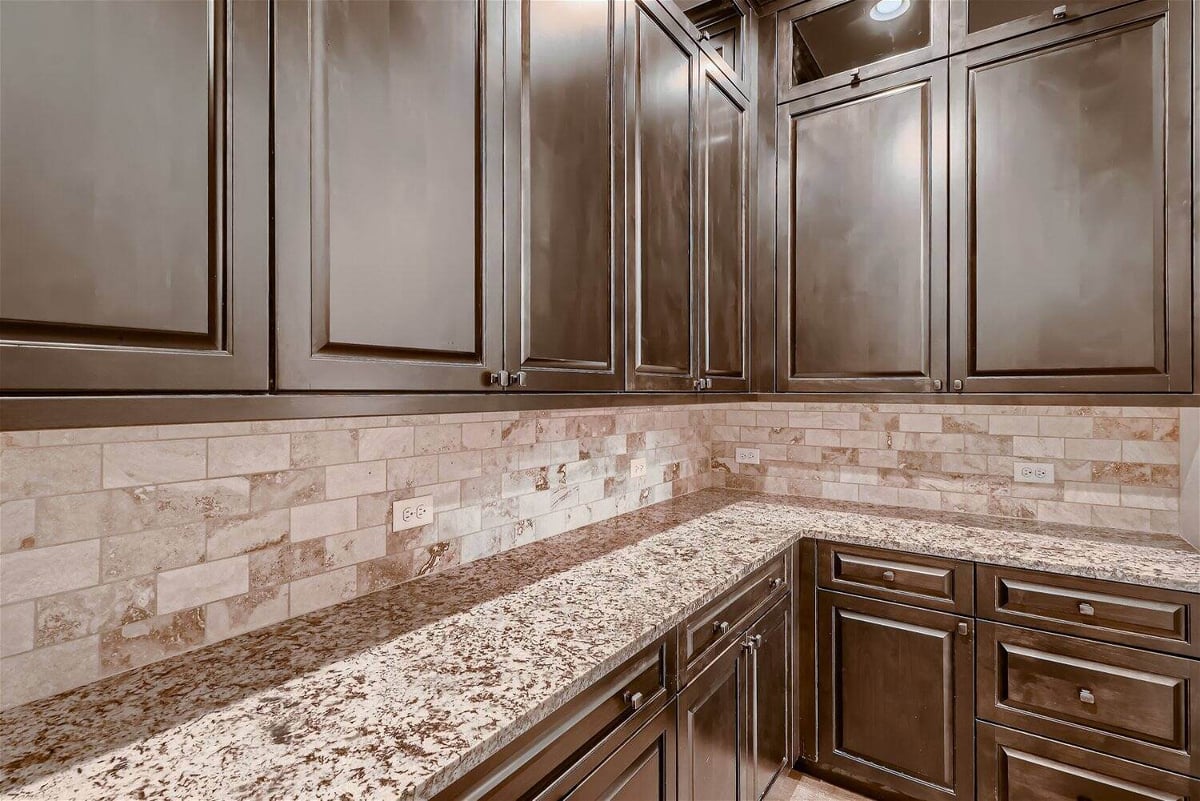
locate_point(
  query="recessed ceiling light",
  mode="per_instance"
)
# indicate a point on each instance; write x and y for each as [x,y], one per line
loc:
[885,10]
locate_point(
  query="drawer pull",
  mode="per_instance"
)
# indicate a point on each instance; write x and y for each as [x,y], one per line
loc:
[1086,696]
[964,629]
[776,583]
[634,700]
[889,575]
[720,627]
[1086,609]
[1060,12]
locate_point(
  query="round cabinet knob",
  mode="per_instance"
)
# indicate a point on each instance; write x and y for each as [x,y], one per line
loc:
[776,583]
[1086,696]
[958,385]
[1086,609]
[889,575]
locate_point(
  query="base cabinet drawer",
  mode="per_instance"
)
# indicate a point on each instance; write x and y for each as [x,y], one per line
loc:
[1014,766]
[643,769]
[907,578]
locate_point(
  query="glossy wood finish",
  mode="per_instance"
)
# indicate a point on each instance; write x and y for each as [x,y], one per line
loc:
[1125,614]
[804,614]
[1013,766]
[134,159]
[1120,701]
[724,261]
[830,44]
[564,197]
[642,769]
[726,33]
[1070,218]
[928,581]
[714,731]
[662,66]
[862,265]
[974,23]
[763,214]
[771,698]
[388,221]
[896,696]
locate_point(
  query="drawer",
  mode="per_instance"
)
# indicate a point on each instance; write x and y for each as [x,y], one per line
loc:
[1014,766]
[927,581]
[1144,617]
[1122,701]
[723,619]
[577,737]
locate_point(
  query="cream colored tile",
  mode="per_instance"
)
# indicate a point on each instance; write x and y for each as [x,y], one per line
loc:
[930,423]
[258,453]
[129,464]
[199,584]
[35,472]
[1095,494]
[1152,520]
[150,640]
[1074,427]
[438,439]
[1079,514]
[352,547]
[840,420]
[323,519]
[412,472]
[1012,425]
[96,436]
[257,608]
[1150,498]
[319,448]
[1038,447]
[325,589]
[46,571]
[43,672]
[465,464]
[144,552]
[247,533]
[1105,450]
[481,435]
[395,442]
[16,628]
[16,524]
[361,478]
[91,610]
[1150,452]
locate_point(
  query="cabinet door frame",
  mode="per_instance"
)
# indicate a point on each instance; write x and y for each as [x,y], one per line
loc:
[714,78]
[658,730]
[776,619]
[1175,236]
[733,659]
[235,352]
[938,47]
[305,359]
[745,42]
[961,39]
[640,376]
[936,269]
[548,374]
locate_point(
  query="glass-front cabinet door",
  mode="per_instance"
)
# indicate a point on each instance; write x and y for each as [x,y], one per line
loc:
[974,23]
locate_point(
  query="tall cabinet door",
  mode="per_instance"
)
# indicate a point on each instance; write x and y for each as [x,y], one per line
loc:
[134,155]
[662,72]
[861,236]
[1070,196]
[564,200]
[714,730]
[388,190]
[771,695]
[724,142]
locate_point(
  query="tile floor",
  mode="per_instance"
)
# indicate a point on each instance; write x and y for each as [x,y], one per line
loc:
[799,787]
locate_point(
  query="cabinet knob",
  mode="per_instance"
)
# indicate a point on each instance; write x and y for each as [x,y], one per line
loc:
[720,627]
[889,575]
[937,384]
[1086,609]
[776,583]
[854,78]
[958,385]
[499,379]
[518,378]
[1060,12]
[964,629]
[634,700]
[1085,696]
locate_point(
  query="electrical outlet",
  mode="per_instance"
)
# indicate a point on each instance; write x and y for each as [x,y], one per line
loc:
[1033,472]
[746,455]
[637,468]
[412,512]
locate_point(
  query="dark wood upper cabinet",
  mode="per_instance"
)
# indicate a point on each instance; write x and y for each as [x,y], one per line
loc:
[861,218]
[826,44]
[388,189]
[896,699]
[1070,207]
[662,73]
[134,154]
[974,23]
[564,200]
[724,142]
[723,29]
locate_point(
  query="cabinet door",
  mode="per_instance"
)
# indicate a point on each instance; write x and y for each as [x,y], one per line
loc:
[974,23]
[388,194]
[1070,207]
[896,696]
[662,75]
[771,695]
[565,282]
[134,155]
[724,238]
[714,731]
[861,236]
[643,769]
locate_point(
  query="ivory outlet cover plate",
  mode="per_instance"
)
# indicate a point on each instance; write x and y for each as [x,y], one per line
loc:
[746,455]
[1033,472]
[637,468]
[412,512]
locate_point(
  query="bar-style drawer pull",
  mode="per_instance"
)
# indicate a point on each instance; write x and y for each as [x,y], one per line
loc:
[889,575]
[634,700]
[776,583]
[1060,12]
[1086,696]
[720,627]
[1086,609]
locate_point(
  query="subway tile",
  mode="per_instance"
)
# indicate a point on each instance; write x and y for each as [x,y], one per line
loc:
[17,524]
[395,442]
[412,472]
[325,589]
[129,464]
[1124,428]
[437,439]
[1102,494]
[1107,450]
[320,448]
[151,640]
[71,615]
[1150,498]
[916,423]
[95,436]
[361,478]
[46,571]
[1150,452]
[43,672]
[1152,520]
[241,613]
[1073,427]
[36,472]
[1012,425]
[322,519]
[1038,447]
[199,584]
[144,552]
[16,628]
[1079,514]
[461,465]
[352,547]
[286,488]
[965,423]
[257,453]
[247,533]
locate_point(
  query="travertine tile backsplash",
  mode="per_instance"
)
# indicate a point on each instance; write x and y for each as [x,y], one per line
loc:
[123,546]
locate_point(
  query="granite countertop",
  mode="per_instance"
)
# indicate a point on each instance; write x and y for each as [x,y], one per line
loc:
[398,693]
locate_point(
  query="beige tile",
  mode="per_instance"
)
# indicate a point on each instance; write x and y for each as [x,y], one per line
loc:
[1150,498]
[323,519]
[1038,447]
[1150,452]
[1152,520]
[1108,450]
[34,472]
[379,574]
[145,552]
[92,436]
[129,464]
[287,488]
[191,586]
[362,478]
[319,448]
[930,423]
[17,524]
[413,472]
[1074,427]
[352,547]
[257,453]
[16,628]
[71,615]
[1079,514]
[46,571]
[1124,428]
[247,533]
[323,590]
[477,436]
[1012,425]
[150,640]
[395,442]
[257,608]
[840,420]
[457,466]
[1103,494]
[43,672]
[437,439]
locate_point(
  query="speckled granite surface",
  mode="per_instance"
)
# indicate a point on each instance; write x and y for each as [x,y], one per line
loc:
[396,694]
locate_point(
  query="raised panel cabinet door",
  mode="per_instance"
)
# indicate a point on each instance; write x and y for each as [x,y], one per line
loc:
[1070,207]
[388,185]
[861,236]
[643,769]
[134,155]
[974,23]
[564,197]
[724,240]
[896,696]
[771,695]
[714,731]
[662,72]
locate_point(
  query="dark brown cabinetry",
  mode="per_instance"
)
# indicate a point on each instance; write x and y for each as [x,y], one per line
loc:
[565,283]
[1070,207]
[642,769]
[974,23]
[861,263]
[134,160]
[388,185]
[895,697]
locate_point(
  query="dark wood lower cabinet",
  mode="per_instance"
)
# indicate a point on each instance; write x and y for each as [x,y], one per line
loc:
[714,730]
[896,697]
[643,769]
[771,699]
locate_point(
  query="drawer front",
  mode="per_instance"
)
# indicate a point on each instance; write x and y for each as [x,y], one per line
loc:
[1145,617]
[928,581]
[1014,766]
[723,619]
[1118,700]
